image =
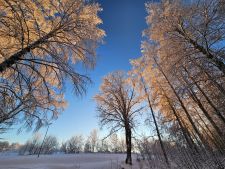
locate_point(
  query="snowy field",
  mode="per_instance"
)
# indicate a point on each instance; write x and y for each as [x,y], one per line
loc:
[61,161]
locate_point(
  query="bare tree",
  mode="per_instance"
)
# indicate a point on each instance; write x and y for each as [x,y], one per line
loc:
[41,41]
[32,146]
[75,144]
[64,147]
[50,145]
[117,104]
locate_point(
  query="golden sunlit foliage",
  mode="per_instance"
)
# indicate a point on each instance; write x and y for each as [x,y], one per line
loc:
[40,42]
[183,68]
[118,106]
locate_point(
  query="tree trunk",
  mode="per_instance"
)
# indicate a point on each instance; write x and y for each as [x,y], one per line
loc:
[180,101]
[215,141]
[207,98]
[215,83]
[198,102]
[156,125]
[128,144]
[185,132]
[187,135]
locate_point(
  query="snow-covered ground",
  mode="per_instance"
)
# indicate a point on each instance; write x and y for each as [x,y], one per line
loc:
[62,161]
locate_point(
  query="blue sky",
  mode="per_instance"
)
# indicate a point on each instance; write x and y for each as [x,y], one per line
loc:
[123,21]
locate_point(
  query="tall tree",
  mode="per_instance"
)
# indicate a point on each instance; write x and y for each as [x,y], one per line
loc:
[136,75]
[187,73]
[117,104]
[182,64]
[41,42]
[75,144]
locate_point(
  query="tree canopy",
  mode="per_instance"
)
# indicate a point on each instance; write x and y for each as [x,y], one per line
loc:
[41,42]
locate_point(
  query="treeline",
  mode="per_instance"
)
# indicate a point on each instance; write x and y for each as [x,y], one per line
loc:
[76,144]
[181,75]
[6,146]
[37,145]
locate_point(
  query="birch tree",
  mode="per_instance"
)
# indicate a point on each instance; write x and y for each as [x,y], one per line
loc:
[41,42]
[136,74]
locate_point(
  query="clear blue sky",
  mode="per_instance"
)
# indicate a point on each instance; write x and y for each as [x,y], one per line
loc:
[123,21]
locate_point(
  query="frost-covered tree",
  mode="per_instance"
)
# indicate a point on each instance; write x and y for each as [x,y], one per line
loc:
[75,144]
[104,146]
[87,146]
[93,140]
[182,65]
[122,145]
[36,146]
[186,57]
[143,88]
[40,44]
[114,143]
[50,145]
[32,146]
[118,105]
[64,147]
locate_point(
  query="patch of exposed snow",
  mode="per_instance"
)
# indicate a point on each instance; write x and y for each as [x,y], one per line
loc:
[64,161]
